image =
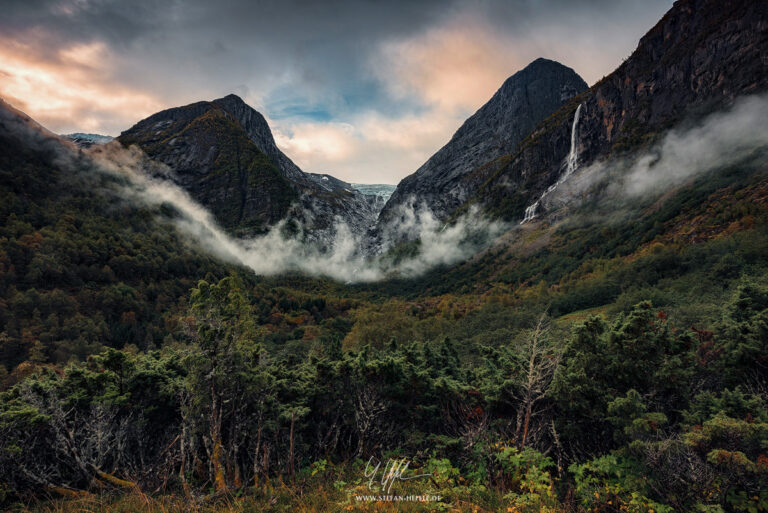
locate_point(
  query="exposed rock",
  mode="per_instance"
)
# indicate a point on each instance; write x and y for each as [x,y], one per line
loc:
[453,174]
[224,154]
[258,131]
[697,59]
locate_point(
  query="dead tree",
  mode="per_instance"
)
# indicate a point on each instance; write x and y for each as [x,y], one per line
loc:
[369,408]
[540,361]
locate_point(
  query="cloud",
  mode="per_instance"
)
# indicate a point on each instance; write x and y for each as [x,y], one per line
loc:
[275,253]
[314,67]
[370,148]
[70,89]
[455,66]
[331,143]
[459,62]
[722,139]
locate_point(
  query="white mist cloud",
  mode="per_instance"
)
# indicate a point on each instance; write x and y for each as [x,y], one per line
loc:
[722,139]
[719,140]
[275,253]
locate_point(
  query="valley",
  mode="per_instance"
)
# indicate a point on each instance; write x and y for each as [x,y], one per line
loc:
[564,309]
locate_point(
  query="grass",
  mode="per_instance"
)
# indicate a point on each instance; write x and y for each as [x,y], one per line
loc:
[325,498]
[581,315]
[326,489]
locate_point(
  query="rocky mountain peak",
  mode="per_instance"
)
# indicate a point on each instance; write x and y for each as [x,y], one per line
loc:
[697,59]
[223,152]
[453,174]
[259,132]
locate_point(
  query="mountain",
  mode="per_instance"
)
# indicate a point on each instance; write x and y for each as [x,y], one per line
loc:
[224,154]
[450,176]
[616,359]
[81,266]
[697,59]
[87,140]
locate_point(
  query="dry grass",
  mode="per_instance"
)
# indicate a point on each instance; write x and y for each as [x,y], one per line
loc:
[325,499]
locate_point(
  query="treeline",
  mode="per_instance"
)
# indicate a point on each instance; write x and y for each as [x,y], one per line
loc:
[631,414]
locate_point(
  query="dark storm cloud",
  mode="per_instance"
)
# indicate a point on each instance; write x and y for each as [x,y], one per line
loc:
[121,22]
[324,45]
[214,47]
[62,22]
[302,28]
[325,40]
[303,62]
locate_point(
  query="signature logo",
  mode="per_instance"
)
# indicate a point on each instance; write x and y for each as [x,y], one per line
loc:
[394,470]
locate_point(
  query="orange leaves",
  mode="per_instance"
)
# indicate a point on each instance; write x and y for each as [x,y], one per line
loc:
[476,413]
[31,240]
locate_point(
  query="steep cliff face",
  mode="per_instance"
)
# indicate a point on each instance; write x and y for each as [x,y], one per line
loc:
[258,131]
[446,180]
[224,154]
[212,156]
[698,58]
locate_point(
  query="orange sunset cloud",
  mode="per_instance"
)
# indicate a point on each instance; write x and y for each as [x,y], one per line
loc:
[71,89]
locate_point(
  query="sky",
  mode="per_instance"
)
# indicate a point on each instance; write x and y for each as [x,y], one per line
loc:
[364,90]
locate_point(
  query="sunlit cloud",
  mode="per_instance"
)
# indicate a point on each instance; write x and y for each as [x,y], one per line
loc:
[458,65]
[70,90]
[310,142]
[372,148]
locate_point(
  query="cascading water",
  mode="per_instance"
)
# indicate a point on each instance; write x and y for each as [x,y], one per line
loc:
[572,160]
[530,212]
[571,163]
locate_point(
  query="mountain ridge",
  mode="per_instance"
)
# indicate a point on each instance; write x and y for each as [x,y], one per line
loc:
[495,129]
[206,165]
[696,59]
[611,359]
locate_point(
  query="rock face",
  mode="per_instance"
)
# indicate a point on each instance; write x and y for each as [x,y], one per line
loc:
[258,131]
[223,153]
[451,176]
[698,58]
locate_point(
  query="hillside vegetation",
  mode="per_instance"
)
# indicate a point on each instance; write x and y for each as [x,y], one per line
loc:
[616,368]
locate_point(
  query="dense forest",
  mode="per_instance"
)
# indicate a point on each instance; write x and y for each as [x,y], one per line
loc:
[630,414]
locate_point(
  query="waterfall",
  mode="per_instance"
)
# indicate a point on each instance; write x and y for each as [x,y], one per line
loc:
[572,160]
[530,212]
[571,163]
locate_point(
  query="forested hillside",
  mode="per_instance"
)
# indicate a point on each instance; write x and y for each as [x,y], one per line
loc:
[82,267]
[491,376]
[635,412]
